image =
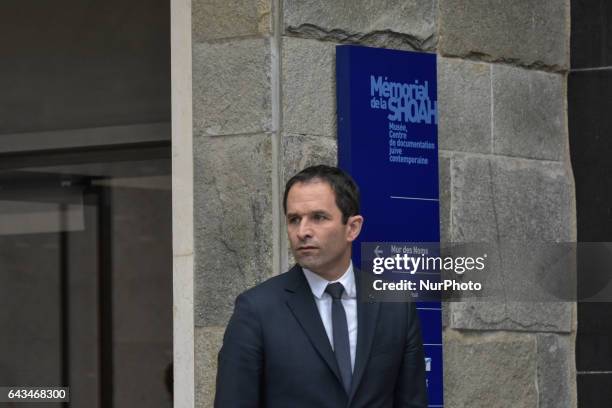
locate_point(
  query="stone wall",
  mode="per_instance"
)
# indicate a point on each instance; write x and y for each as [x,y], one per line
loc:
[264,107]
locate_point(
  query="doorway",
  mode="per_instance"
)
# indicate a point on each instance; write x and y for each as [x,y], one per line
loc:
[85,200]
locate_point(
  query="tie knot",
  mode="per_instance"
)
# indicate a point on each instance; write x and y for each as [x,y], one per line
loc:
[335,290]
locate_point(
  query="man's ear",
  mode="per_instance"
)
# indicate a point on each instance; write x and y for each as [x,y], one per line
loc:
[353,225]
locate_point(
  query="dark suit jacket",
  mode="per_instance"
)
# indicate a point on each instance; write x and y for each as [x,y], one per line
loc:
[276,353]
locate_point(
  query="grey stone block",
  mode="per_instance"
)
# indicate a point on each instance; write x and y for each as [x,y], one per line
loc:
[301,151]
[208,342]
[534,201]
[556,371]
[309,87]
[489,370]
[511,315]
[529,113]
[231,87]
[510,31]
[444,168]
[386,23]
[233,221]
[500,201]
[445,315]
[473,217]
[464,104]
[217,19]
[504,199]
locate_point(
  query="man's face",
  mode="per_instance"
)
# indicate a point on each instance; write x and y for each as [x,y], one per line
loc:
[319,240]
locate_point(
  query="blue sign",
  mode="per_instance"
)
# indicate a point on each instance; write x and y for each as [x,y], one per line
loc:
[388,142]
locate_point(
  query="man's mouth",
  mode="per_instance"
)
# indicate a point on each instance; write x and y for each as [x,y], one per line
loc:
[306,248]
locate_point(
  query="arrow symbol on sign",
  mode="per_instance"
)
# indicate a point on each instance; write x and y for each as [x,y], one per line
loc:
[378,251]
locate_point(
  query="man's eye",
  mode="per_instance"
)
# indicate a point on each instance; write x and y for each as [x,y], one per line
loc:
[294,220]
[319,217]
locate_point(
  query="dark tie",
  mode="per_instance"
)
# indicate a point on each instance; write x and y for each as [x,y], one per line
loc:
[342,348]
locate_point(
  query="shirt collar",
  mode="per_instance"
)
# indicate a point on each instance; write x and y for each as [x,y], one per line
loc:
[318,284]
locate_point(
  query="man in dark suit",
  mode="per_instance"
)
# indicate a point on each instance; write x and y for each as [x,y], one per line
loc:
[303,338]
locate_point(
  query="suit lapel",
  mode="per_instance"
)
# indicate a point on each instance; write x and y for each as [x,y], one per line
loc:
[367,316]
[303,307]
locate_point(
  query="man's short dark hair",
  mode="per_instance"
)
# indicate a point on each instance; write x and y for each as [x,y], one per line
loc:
[344,187]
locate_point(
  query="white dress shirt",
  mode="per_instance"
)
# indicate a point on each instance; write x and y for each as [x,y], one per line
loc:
[323,301]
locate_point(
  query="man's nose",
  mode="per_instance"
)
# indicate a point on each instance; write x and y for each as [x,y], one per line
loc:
[304,230]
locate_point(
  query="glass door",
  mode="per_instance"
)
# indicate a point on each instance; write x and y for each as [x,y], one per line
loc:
[86,274]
